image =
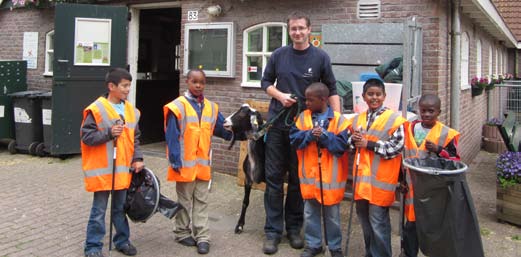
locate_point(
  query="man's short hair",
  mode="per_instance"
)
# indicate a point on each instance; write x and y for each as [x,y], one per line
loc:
[298,15]
[115,75]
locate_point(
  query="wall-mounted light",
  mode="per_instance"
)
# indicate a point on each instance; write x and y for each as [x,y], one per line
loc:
[214,10]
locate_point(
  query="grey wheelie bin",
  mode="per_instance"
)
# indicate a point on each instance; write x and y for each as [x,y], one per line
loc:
[44,148]
[27,121]
[446,221]
[12,79]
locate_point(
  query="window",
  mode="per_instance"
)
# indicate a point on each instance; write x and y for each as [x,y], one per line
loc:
[478,58]
[49,53]
[259,42]
[489,60]
[464,61]
[496,66]
[209,46]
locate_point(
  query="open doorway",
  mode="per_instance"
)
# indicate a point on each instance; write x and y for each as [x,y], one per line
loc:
[157,81]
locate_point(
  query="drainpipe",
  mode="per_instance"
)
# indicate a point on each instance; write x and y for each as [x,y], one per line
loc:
[455,66]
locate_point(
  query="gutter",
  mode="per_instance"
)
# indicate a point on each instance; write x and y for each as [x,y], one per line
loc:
[490,10]
[455,65]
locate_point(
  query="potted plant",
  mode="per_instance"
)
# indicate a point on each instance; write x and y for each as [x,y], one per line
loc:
[477,85]
[508,186]
[508,76]
[494,79]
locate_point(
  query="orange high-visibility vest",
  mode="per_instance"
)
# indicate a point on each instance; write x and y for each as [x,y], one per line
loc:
[377,177]
[195,137]
[98,161]
[334,169]
[439,134]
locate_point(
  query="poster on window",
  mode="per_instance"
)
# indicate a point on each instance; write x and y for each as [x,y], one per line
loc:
[92,42]
[30,49]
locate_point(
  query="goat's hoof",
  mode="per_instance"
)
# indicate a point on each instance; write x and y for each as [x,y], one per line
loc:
[238,229]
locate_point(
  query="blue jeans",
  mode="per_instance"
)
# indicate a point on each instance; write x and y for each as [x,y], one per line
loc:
[96,224]
[281,158]
[376,225]
[313,225]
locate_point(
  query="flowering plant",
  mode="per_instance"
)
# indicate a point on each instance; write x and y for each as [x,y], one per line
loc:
[508,76]
[495,121]
[508,169]
[479,82]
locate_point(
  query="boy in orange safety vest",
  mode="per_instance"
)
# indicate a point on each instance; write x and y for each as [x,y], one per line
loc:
[318,127]
[109,120]
[190,122]
[378,136]
[423,138]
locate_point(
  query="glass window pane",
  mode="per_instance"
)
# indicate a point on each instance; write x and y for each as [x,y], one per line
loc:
[208,49]
[50,59]
[51,41]
[274,38]
[255,40]
[254,68]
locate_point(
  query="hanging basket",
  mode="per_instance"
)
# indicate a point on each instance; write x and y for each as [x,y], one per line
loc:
[476,91]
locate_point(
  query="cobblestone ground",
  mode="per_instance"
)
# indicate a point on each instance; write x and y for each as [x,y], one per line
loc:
[44,210]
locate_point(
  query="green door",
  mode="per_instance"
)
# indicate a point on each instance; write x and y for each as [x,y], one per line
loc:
[88,41]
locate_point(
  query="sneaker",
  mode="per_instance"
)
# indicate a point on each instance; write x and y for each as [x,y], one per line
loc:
[311,252]
[127,249]
[271,246]
[295,241]
[94,254]
[336,253]
[189,241]
[203,247]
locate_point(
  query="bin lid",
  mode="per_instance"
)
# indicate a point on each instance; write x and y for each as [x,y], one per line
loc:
[29,93]
[435,165]
[47,94]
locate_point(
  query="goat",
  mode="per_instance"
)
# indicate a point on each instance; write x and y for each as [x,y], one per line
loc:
[248,121]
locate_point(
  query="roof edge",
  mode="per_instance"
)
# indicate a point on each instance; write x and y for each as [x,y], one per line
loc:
[490,10]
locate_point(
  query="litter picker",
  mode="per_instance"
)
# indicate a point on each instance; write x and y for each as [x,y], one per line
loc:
[118,122]
[352,200]
[322,208]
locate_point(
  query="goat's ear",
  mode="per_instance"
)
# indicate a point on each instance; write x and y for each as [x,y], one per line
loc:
[258,115]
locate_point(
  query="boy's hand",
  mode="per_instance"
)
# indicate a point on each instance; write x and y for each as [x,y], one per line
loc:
[138,166]
[431,147]
[359,139]
[317,132]
[116,130]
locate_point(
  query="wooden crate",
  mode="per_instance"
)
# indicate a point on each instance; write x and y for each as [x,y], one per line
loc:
[508,204]
[491,132]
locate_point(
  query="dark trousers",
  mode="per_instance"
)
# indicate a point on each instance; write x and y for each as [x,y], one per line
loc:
[281,158]
[410,240]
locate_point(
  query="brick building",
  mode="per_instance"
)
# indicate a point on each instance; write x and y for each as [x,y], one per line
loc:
[488,46]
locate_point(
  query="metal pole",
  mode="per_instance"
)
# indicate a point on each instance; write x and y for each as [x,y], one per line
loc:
[455,66]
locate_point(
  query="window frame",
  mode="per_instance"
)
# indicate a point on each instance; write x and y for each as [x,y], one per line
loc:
[230,45]
[49,63]
[263,53]
[464,62]
[490,63]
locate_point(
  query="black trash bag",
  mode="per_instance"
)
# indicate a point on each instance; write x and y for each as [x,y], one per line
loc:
[144,198]
[446,221]
[391,72]
[345,92]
